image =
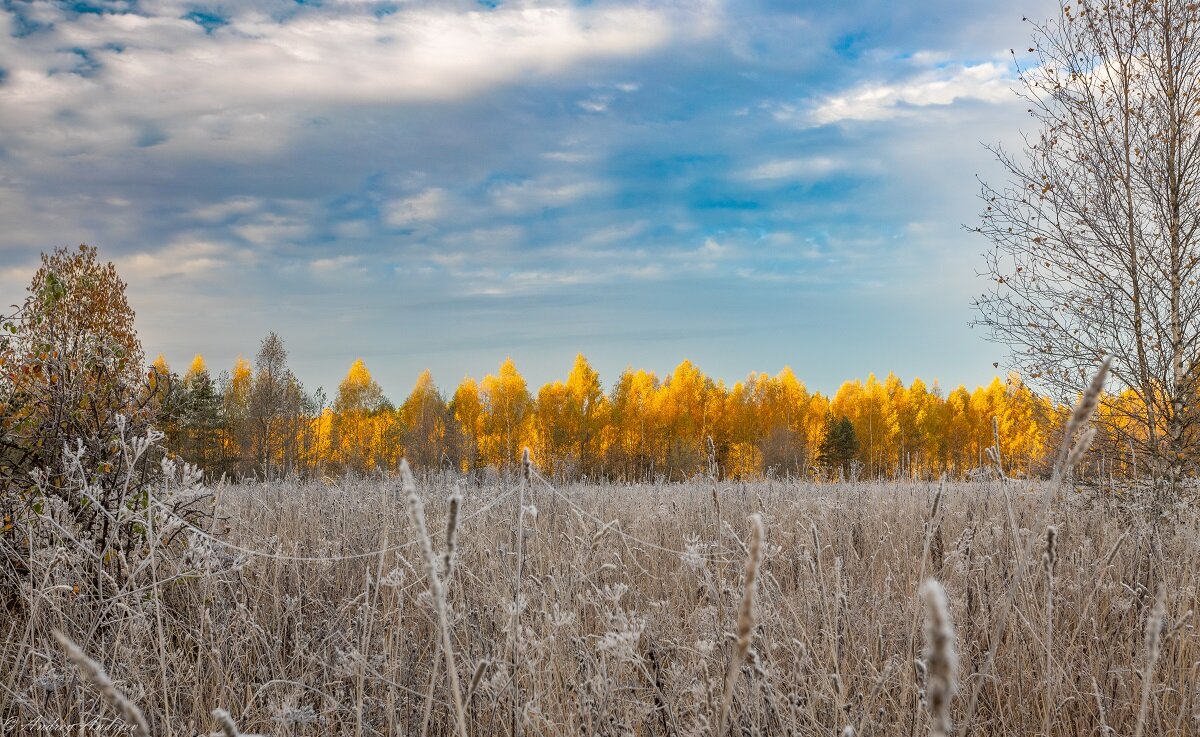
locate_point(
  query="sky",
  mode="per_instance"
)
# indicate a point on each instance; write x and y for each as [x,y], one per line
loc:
[745,184]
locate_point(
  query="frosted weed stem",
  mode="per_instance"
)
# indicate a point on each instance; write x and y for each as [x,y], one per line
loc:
[416,513]
[745,623]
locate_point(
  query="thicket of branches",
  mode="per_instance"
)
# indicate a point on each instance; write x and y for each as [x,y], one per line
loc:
[78,448]
[1096,231]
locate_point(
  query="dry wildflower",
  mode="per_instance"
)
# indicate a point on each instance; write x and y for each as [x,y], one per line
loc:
[291,716]
[941,659]
[621,641]
[598,537]
[922,675]
[1049,559]
[526,466]
[614,592]
[712,457]
[519,575]
[49,681]
[95,674]
[1105,730]
[560,617]
[393,578]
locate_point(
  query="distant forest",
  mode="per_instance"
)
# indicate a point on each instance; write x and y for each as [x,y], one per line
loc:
[259,419]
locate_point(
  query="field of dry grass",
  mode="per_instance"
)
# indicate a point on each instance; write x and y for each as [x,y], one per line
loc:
[620,614]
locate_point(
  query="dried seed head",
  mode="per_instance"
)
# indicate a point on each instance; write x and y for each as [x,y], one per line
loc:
[746,613]
[476,677]
[1080,449]
[937,503]
[942,661]
[1080,416]
[599,535]
[1050,557]
[745,623]
[95,674]
[451,531]
[226,723]
[1154,627]
[416,516]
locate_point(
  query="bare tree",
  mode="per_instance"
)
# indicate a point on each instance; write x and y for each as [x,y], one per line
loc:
[275,401]
[1096,233]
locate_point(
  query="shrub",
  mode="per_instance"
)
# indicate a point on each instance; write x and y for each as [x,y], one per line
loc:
[77,449]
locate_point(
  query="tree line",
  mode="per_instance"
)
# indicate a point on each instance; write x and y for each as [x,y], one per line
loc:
[259,419]
[72,367]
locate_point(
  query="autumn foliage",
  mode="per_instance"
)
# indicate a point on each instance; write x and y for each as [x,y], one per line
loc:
[644,427]
[75,397]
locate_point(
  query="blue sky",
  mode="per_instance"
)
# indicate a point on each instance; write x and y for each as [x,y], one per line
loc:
[745,184]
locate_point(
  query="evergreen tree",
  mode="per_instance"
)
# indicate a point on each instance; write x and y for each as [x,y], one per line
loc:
[202,417]
[840,445]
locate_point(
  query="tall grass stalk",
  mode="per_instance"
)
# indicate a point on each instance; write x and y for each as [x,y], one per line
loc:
[416,512]
[745,621]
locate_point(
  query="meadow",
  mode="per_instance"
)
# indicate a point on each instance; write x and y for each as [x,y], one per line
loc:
[306,608]
[749,181]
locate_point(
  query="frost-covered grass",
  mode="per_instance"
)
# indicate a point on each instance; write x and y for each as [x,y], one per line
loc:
[630,600]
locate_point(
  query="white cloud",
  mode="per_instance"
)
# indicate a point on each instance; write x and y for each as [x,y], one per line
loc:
[595,104]
[334,263]
[986,82]
[569,157]
[185,257]
[535,194]
[163,80]
[810,168]
[601,100]
[712,250]
[422,208]
[272,229]
[486,238]
[225,209]
[616,233]
[495,283]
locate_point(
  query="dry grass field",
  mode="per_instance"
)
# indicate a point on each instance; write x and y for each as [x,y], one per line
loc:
[621,614]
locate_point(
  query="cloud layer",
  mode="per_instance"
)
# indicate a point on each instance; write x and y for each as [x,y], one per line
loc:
[747,184]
